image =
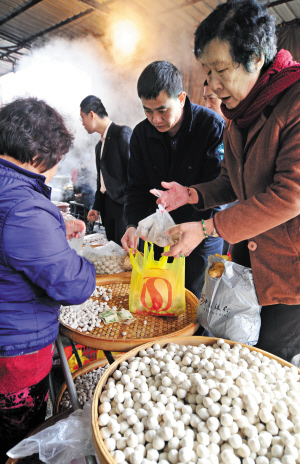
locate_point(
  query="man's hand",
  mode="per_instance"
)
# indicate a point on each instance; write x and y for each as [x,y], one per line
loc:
[92,215]
[130,240]
[191,235]
[175,196]
[75,228]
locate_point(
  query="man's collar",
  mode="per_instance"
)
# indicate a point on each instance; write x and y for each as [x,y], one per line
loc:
[106,130]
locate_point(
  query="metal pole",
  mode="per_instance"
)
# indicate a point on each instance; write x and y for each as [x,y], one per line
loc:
[52,390]
[74,349]
[109,356]
[70,385]
[67,374]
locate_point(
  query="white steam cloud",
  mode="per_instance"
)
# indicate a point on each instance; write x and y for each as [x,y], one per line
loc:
[63,72]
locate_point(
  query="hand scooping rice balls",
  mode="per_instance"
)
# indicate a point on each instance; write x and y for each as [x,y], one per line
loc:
[202,404]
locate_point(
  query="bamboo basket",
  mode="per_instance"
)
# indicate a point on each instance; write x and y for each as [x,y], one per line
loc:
[83,370]
[102,452]
[110,337]
[34,458]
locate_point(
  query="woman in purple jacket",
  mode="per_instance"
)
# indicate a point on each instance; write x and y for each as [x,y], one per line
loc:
[38,269]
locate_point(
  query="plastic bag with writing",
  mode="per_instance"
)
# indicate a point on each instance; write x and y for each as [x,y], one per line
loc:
[62,442]
[107,259]
[228,307]
[153,228]
[157,287]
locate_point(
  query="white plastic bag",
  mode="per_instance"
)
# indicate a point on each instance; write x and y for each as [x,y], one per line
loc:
[75,243]
[64,441]
[152,228]
[107,259]
[228,307]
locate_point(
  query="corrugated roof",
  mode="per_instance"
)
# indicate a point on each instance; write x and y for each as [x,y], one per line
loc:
[22,23]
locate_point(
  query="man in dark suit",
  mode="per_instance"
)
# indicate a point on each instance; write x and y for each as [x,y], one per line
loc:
[112,156]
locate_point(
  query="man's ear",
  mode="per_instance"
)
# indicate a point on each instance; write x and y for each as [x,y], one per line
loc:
[93,115]
[182,97]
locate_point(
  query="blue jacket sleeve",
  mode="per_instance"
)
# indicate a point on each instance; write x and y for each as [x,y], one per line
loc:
[35,244]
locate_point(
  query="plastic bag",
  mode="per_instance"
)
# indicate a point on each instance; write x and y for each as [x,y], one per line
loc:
[228,307]
[107,259]
[75,243]
[64,441]
[153,228]
[157,287]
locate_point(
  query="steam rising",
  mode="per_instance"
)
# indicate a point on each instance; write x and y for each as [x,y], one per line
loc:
[63,72]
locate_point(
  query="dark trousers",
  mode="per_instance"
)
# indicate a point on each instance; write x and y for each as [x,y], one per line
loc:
[280,323]
[196,263]
[20,413]
[112,215]
[280,330]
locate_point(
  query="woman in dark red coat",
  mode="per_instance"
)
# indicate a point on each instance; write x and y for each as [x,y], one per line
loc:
[260,91]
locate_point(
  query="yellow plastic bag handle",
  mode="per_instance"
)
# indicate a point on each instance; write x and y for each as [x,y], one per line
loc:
[147,259]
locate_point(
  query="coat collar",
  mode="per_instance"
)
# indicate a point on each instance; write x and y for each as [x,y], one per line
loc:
[235,134]
[108,138]
[37,181]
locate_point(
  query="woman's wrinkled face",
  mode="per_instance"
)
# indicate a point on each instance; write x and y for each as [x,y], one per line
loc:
[228,79]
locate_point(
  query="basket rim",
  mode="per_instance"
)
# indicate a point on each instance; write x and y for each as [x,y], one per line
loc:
[82,370]
[102,452]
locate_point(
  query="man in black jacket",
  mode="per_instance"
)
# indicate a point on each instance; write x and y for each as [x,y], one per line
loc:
[177,142]
[112,155]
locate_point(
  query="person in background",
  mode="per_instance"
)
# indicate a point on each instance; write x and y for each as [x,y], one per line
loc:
[38,270]
[177,140]
[211,100]
[81,179]
[112,155]
[260,92]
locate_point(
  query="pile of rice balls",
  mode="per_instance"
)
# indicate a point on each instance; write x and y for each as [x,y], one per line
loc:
[216,404]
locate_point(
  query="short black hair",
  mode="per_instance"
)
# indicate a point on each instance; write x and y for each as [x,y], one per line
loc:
[33,132]
[159,76]
[248,28]
[92,103]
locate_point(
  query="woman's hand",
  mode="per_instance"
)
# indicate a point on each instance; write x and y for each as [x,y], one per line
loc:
[175,196]
[75,228]
[191,234]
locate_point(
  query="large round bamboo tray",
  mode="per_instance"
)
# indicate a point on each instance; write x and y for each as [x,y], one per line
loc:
[34,458]
[104,278]
[109,337]
[102,452]
[83,370]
